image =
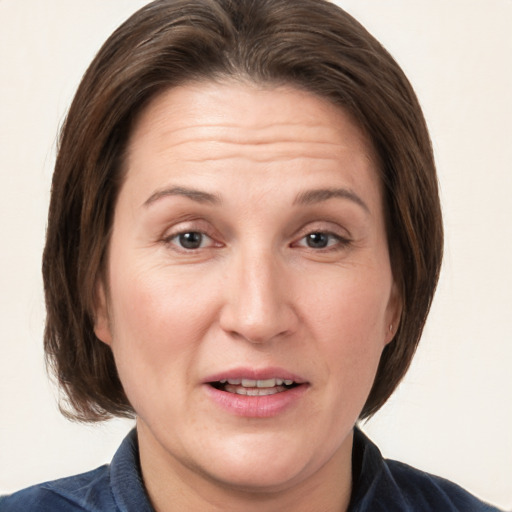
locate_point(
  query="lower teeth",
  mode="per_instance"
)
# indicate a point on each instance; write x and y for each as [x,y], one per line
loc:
[240,390]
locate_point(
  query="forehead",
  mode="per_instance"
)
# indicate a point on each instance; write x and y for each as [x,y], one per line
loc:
[244,113]
[264,137]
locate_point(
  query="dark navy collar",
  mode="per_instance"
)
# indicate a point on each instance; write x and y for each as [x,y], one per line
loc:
[126,477]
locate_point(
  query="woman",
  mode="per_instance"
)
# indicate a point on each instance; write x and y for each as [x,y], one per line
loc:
[243,244]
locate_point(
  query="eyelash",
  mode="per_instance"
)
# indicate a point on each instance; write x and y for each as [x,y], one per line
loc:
[170,240]
[334,242]
[339,241]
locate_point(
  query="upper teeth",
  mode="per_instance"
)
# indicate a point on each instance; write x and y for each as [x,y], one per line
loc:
[250,383]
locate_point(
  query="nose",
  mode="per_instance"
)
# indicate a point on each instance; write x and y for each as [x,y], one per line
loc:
[259,306]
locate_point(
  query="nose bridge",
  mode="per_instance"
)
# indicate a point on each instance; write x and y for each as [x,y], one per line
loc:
[257,307]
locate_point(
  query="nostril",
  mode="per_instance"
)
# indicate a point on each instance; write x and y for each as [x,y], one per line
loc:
[258,336]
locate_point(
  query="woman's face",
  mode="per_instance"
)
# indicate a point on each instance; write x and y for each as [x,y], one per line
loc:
[250,293]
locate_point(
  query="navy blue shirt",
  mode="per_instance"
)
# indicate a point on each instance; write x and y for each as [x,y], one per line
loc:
[379,485]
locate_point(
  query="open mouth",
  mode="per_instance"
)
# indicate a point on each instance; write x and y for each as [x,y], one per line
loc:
[251,387]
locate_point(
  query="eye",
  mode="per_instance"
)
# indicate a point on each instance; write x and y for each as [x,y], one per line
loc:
[322,240]
[318,240]
[190,240]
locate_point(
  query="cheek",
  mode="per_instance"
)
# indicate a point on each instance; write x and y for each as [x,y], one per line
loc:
[158,321]
[350,308]
[348,318]
[158,302]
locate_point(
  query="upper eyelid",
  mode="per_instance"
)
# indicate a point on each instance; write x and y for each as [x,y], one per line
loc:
[324,226]
[325,232]
[191,225]
[175,234]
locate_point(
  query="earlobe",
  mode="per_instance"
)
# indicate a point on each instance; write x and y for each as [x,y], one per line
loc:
[390,335]
[102,328]
[394,313]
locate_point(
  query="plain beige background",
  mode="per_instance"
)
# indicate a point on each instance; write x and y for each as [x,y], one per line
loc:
[453,413]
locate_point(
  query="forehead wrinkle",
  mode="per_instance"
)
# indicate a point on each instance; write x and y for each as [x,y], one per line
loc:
[260,142]
[164,128]
[274,151]
[229,147]
[221,143]
[260,157]
[225,147]
[287,149]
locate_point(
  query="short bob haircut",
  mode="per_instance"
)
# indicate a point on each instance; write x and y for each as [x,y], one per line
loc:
[310,44]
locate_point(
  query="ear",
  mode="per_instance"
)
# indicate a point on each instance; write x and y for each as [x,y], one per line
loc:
[102,327]
[393,313]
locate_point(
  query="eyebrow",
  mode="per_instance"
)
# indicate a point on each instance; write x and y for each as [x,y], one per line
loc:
[324,194]
[304,198]
[196,195]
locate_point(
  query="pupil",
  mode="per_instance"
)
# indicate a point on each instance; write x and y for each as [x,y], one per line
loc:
[191,240]
[317,240]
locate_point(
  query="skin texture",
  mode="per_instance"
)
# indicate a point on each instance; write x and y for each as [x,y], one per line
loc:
[254,293]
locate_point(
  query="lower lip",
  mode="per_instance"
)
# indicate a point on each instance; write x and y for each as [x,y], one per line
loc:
[256,406]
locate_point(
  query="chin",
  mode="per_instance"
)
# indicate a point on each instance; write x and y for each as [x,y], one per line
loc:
[260,464]
[261,480]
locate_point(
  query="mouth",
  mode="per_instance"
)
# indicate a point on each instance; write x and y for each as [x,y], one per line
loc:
[256,393]
[254,387]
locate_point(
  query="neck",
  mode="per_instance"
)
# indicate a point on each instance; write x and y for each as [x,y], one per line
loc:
[174,486]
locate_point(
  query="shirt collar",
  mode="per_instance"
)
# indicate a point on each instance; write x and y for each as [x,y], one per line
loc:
[126,477]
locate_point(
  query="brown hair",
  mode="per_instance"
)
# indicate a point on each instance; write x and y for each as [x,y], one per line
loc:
[311,44]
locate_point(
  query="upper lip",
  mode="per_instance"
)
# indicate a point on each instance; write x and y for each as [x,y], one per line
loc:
[255,374]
